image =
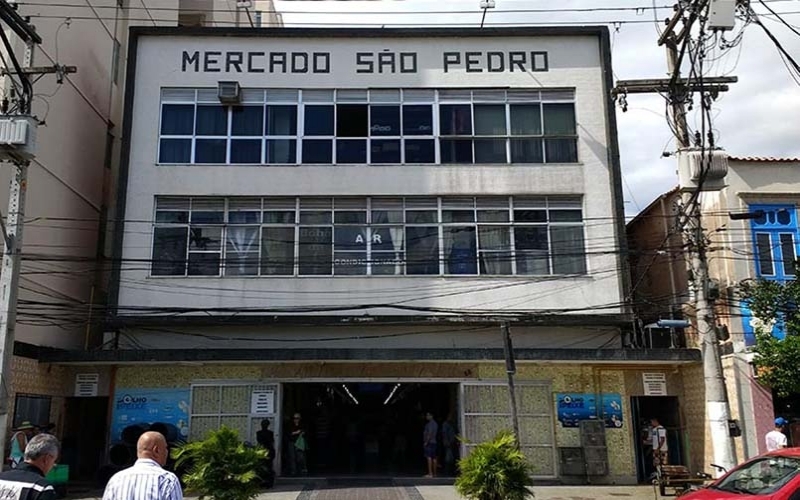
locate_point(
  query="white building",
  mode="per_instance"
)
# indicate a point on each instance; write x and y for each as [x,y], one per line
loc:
[336,222]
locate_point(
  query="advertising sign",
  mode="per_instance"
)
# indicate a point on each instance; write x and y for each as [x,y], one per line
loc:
[148,406]
[572,408]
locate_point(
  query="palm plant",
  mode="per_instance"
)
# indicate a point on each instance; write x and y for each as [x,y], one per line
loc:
[221,467]
[496,470]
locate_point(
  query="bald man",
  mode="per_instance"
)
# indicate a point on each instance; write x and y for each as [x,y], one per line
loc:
[146,479]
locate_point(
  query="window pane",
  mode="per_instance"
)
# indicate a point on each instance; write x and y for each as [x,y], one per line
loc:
[783,217]
[315,217]
[387,250]
[241,240]
[277,251]
[384,120]
[490,151]
[420,151]
[418,120]
[204,264]
[787,254]
[284,217]
[177,119]
[351,151]
[318,151]
[281,151]
[212,120]
[173,217]
[526,151]
[764,247]
[205,238]
[421,217]
[458,216]
[350,263]
[169,251]
[248,120]
[493,216]
[207,217]
[387,217]
[460,250]
[175,151]
[569,256]
[559,119]
[210,150]
[455,119]
[350,217]
[495,263]
[566,216]
[245,150]
[282,120]
[241,264]
[456,150]
[532,248]
[422,254]
[494,238]
[351,120]
[561,150]
[350,238]
[244,217]
[490,119]
[526,119]
[319,120]
[530,216]
[385,151]
[316,252]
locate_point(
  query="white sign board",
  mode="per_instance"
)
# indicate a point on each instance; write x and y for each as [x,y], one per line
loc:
[86,384]
[655,384]
[262,403]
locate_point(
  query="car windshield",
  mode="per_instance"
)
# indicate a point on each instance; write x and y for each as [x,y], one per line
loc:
[763,476]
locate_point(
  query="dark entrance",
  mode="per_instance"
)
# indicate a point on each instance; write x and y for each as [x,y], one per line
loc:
[84,437]
[358,428]
[666,410]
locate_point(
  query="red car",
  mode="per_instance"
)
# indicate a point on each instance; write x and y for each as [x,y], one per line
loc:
[772,476]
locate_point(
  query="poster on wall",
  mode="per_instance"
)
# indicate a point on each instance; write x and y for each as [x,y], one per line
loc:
[572,408]
[148,406]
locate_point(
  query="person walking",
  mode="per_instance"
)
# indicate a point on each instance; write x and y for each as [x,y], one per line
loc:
[19,441]
[775,438]
[658,435]
[429,444]
[146,479]
[27,481]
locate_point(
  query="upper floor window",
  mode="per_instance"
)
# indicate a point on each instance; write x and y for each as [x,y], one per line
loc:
[376,127]
[368,236]
[775,240]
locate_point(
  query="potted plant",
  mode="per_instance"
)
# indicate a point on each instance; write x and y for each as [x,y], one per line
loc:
[221,467]
[496,470]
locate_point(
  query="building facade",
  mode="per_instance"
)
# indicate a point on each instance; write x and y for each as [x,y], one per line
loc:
[336,223]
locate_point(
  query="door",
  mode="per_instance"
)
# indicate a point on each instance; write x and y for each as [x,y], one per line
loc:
[84,438]
[666,409]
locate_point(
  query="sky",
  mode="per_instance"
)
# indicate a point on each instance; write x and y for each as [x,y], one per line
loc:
[759,116]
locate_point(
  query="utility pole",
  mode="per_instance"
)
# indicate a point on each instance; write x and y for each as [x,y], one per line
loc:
[17,146]
[679,91]
[511,369]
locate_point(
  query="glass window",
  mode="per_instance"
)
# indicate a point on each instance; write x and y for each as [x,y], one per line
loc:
[526,119]
[787,253]
[241,251]
[175,151]
[351,151]
[490,151]
[420,151]
[350,250]
[456,150]
[352,120]
[210,150]
[527,151]
[245,151]
[455,119]
[31,408]
[277,249]
[169,251]
[177,119]
[316,250]
[247,120]
[764,247]
[282,151]
[495,249]
[282,120]
[422,250]
[490,119]
[561,150]
[532,250]
[204,264]
[318,151]
[212,120]
[385,151]
[279,217]
[384,120]
[418,120]
[388,250]
[319,120]
[460,250]
[559,119]
[569,255]
[761,476]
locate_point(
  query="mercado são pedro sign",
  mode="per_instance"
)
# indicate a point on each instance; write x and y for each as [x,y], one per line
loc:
[382,62]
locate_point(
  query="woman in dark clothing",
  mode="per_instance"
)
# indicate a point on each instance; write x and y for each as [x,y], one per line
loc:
[266,438]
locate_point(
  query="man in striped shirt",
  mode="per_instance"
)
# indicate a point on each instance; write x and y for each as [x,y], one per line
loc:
[27,481]
[146,479]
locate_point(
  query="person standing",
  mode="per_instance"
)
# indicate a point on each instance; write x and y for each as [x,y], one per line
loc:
[449,443]
[297,447]
[776,439]
[429,444]
[19,441]
[658,436]
[266,438]
[27,481]
[146,479]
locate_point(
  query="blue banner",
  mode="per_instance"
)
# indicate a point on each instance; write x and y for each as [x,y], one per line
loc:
[148,406]
[571,408]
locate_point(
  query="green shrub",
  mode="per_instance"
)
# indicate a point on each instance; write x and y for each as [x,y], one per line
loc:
[221,467]
[495,470]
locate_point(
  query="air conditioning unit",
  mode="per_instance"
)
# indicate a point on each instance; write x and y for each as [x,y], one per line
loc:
[708,165]
[229,92]
[17,137]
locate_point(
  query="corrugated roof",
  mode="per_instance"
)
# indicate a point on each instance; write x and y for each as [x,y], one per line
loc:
[764,159]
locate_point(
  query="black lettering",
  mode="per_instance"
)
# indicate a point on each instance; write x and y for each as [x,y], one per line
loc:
[322,62]
[408,62]
[364,63]
[473,60]
[233,59]
[251,68]
[386,59]
[516,59]
[495,57]
[451,58]
[539,61]
[209,59]
[189,59]
[277,59]
[299,57]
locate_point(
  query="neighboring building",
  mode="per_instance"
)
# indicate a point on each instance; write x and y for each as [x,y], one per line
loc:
[344,235]
[761,247]
[69,210]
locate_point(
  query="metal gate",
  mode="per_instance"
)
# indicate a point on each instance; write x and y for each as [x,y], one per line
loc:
[486,411]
